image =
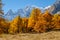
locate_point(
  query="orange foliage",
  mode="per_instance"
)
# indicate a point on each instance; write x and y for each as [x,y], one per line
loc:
[48,18]
[40,25]
[33,17]
[25,23]
[15,25]
[37,22]
[56,21]
[3,25]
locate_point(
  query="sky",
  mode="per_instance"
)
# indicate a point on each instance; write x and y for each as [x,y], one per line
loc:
[17,4]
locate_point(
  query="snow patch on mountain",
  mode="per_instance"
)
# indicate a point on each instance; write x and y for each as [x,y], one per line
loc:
[47,7]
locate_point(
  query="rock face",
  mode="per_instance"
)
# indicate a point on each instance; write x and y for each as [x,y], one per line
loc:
[55,7]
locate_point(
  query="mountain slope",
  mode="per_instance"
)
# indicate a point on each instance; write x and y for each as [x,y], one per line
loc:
[9,15]
[55,7]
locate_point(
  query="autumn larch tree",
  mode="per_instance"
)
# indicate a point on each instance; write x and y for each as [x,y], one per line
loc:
[48,18]
[56,22]
[3,25]
[25,24]
[34,17]
[40,25]
[15,25]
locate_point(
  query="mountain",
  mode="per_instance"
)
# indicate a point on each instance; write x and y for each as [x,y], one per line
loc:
[9,15]
[58,12]
[20,12]
[55,7]
[25,12]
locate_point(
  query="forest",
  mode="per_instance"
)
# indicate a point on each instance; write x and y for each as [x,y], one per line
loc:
[37,22]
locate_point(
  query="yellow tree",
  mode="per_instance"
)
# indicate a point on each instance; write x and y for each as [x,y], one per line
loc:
[25,23]
[56,21]
[15,25]
[48,18]
[44,22]
[40,25]
[3,25]
[33,18]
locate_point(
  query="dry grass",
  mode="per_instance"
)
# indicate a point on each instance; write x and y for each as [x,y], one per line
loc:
[53,35]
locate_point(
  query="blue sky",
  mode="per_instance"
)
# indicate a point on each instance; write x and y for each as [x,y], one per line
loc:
[17,4]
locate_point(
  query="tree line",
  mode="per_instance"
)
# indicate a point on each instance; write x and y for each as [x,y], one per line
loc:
[38,22]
